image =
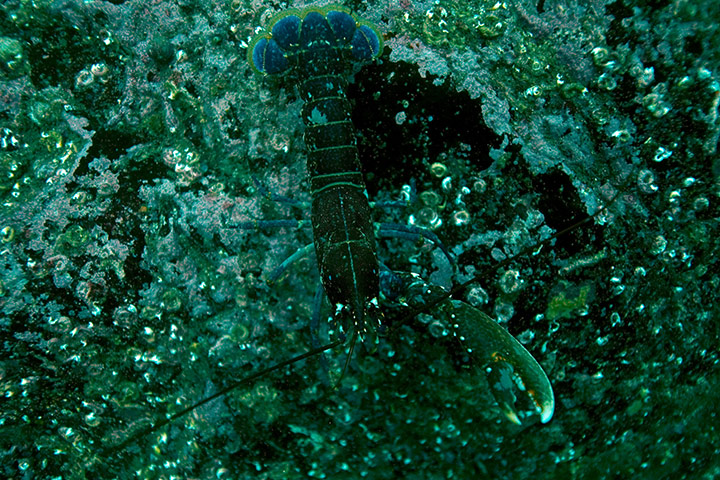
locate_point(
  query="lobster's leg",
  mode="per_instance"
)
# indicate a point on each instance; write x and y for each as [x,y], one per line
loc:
[317,331]
[278,198]
[269,224]
[410,232]
[280,269]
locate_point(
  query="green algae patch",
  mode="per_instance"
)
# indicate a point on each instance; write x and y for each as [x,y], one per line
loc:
[567,300]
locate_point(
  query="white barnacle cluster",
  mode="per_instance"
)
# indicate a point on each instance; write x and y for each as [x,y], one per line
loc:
[97,72]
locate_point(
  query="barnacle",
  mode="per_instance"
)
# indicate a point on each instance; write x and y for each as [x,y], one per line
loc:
[12,58]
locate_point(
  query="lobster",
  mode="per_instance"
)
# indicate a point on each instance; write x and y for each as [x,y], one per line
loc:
[316,48]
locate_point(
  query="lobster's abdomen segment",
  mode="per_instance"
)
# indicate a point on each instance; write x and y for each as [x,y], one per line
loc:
[342,225]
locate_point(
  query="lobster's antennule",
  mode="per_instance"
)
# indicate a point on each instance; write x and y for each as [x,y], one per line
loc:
[347,359]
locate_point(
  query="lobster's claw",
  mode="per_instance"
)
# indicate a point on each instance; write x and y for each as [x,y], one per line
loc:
[500,378]
[507,363]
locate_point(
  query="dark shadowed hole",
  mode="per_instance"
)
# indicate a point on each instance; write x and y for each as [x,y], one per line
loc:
[559,201]
[405,121]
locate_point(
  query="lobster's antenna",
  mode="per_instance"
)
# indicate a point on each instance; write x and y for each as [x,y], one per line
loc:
[165,421]
[523,253]
[347,360]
